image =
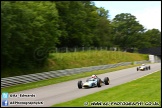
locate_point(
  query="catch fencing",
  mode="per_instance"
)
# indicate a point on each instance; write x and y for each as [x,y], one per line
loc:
[23,79]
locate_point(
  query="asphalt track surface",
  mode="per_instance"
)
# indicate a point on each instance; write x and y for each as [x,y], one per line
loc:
[65,91]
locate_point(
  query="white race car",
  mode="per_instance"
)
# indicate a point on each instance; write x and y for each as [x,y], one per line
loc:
[93,82]
[143,68]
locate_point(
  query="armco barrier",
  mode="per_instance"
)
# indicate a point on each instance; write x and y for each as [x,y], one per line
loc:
[11,81]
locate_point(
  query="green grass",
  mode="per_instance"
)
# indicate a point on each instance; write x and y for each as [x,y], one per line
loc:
[58,80]
[145,90]
[91,58]
[60,61]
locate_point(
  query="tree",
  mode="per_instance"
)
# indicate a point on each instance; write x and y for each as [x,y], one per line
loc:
[27,26]
[153,37]
[103,29]
[126,30]
[77,23]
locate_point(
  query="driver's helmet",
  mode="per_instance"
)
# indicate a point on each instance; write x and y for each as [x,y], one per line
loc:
[93,76]
[143,64]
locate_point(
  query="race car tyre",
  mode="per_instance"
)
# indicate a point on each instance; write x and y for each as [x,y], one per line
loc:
[79,84]
[106,81]
[137,69]
[98,82]
[149,67]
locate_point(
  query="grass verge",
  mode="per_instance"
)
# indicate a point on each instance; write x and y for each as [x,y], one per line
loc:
[57,61]
[61,61]
[145,91]
[59,79]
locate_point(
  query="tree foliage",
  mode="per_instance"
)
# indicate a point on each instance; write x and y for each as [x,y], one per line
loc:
[126,30]
[153,37]
[25,27]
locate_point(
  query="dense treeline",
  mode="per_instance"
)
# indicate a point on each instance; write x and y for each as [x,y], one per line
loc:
[29,26]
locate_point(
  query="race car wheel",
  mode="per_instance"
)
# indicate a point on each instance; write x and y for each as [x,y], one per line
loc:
[149,67]
[106,81]
[79,84]
[137,69]
[98,82]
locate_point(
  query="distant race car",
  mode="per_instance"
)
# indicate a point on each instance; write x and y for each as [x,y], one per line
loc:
[94,81]
[143,68]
